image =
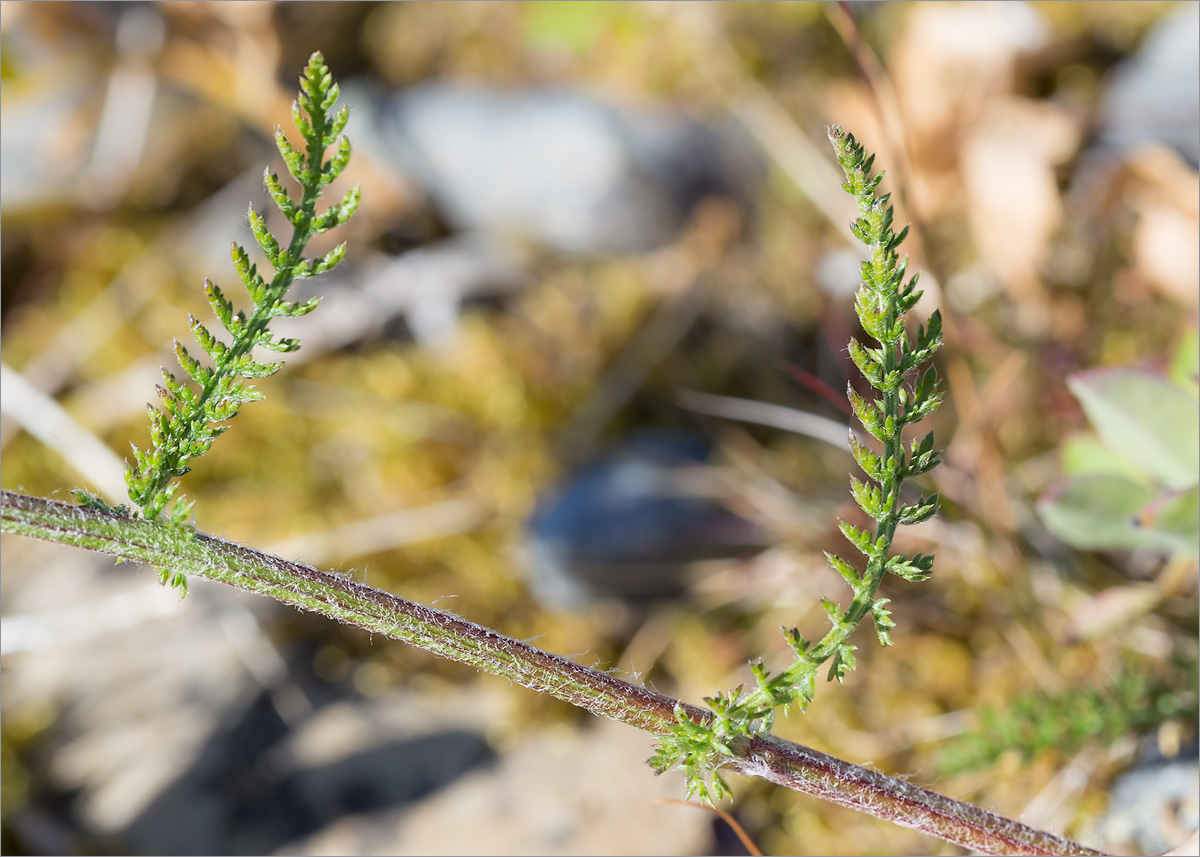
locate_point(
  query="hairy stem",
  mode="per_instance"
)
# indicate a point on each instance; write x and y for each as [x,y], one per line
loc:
[829,778]
[346,600]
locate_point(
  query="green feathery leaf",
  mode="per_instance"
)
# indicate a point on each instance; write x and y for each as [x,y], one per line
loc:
[883,300]
[190,419]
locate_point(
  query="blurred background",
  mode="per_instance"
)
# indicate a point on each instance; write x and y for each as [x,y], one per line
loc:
[581,379]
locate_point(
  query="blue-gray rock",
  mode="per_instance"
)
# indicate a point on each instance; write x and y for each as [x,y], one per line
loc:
[1154,96]
[562,169]
[1155,806]
[631,523]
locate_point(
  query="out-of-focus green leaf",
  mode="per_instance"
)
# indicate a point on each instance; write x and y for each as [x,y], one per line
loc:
[1185,363]
[1175,514]
[1086,455]
[1106,513]
[1146,418]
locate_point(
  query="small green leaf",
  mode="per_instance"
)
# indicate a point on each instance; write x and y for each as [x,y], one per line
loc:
[338,214]
[339,121]
[177,394]
[181,511]
[869,498]
[1185,362]
[211,345]
[867,460]
[842,662]
[868,361]
[291,212]
[331,259]
[88,500]
[1106,512]
[1145,418]
[929,339]
[176,580]
[868,415]
[796,642]
[870,314]
[921,409]
[265,239]
[897,239]
[193,367]
[221,306]
[337,163]
[283,309]
[282,344]
[859,538]
[302,268]
[883,621]
[926,386]
[918,512]
[1085,454]
[845,569]
[922,457]
[302,124]
[249,368]
[835,612]
[292,159]
[1174,515]
[916,569]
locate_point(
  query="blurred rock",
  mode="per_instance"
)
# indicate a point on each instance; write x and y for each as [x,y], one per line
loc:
[1154,96]
[632,523]
[511,172]
[1155,806]
[425,287]
[562,169]
[1145,160]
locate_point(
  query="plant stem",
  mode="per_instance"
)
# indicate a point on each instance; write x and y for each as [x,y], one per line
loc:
[346,600]
[829,778]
